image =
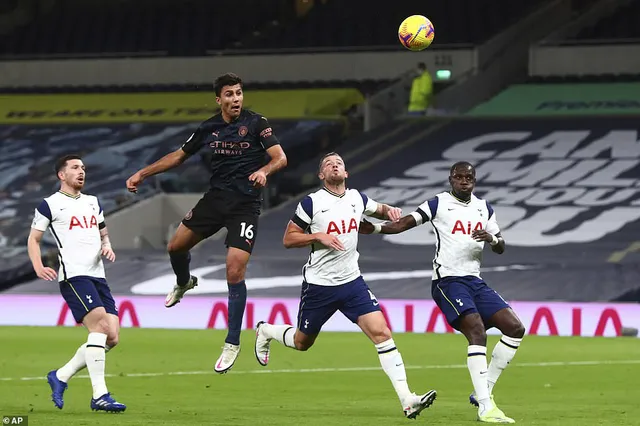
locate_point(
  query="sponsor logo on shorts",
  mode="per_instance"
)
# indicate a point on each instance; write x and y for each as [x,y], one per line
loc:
[188,215]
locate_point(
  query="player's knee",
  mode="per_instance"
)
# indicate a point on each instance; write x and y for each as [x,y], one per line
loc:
[173,247]
[517,330]
[381,334]
[101,326]
[476,333]
[235,272]
[302,344]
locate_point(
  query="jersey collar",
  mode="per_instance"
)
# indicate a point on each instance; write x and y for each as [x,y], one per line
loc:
[335,194]
[458,199]
[75,197]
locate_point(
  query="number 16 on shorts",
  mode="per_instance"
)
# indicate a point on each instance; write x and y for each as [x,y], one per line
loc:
[246,231]
[242,234]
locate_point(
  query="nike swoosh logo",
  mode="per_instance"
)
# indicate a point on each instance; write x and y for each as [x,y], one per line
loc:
[324,211]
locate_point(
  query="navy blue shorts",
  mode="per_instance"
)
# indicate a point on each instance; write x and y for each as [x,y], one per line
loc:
[318,303]
[83,294]
[458,296]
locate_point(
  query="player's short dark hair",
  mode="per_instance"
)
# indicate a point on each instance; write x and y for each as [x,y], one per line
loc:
[62,161]
[228,79]
[329,154]
[461,164]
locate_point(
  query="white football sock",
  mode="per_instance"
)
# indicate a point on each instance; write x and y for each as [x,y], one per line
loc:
[75,364]
[477,364]
[392,364]
[282,333]
[95,359]
[501,357]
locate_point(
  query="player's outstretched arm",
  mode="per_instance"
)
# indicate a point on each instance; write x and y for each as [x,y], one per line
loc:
[169,161]
[295,237]
[385,211]
[403,224]
[35,255]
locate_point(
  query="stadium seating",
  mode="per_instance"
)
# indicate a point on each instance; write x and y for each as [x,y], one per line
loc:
[112,153]
[194,27]
[366,86]
[621,26]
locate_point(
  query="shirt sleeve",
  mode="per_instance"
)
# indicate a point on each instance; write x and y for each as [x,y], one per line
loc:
[492,223]
[42,217]
[196,141]
[304,213]
[101,223]
[370,205]
[267,138]
[426,211]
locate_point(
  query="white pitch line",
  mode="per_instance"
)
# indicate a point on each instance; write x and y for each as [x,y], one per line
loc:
[345,369]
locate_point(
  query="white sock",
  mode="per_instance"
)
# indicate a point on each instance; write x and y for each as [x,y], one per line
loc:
[95,359]
[75,364]
[477,364]
[282,333]
[392,364]
[501,357]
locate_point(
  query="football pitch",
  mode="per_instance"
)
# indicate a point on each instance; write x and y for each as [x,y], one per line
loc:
[165,377]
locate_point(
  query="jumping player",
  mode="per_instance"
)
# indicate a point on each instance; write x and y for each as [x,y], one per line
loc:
[239,140]
[76,222]
[327,220]
[463,224]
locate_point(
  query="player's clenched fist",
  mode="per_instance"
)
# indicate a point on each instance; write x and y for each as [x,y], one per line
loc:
[331,241]
[46,273]
[134,181]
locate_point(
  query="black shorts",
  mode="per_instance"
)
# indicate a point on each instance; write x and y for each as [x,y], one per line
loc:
[224,209]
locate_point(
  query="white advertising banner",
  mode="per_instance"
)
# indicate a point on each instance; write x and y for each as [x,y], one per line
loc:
[418,316]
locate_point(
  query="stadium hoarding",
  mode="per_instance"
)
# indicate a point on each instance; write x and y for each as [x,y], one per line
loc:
[169,106]
[416,316]
[563,99]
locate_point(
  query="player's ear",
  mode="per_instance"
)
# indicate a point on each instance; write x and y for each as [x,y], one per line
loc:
[346,174]
[218,100]
[321,176]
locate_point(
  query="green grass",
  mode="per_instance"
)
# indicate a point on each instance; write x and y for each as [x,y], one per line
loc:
[588,394]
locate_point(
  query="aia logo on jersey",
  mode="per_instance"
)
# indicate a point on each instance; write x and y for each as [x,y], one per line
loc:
[466,230]
[82,222]
[341,227]
[243,131]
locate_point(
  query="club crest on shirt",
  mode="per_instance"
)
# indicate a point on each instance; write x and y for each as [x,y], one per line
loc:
[243,131]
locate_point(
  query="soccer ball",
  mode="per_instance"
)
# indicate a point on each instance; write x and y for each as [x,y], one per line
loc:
[416,33]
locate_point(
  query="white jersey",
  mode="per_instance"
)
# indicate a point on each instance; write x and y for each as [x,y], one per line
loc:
[333,214]
[457,253]
[74,222]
